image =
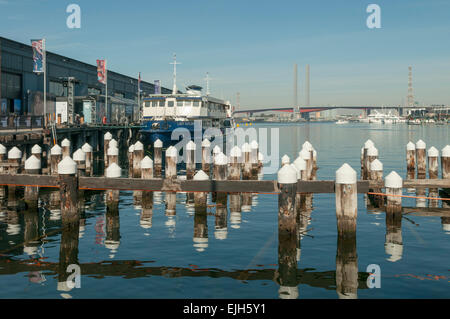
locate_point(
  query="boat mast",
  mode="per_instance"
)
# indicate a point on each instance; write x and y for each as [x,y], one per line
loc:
[207,84]
[174,89]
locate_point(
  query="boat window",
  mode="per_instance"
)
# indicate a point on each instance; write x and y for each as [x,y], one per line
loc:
[227,123]
[147,104]
[170,104]
[196,103]
[161,103]
[179,103]
[187,103]
[155,103]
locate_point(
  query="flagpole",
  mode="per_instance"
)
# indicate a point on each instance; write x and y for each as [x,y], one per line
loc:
[106,93]
[45,82]
[139,98]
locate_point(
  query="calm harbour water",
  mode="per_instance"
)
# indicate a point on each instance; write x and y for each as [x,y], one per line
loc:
[131,256]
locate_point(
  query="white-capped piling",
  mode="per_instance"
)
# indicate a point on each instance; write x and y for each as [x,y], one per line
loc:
[14,159]
[346,200]
[106,138]
[376,174]
[306,156]
[307,146]
[285,160]
[287,184]
[55,158]
[394,187]
[235,166]
[130,160]
[421,159]
[433,165]
[200,197]
[221,174]
[254,150]
[171,163]
[138,156]
[89,151]
[190,160]
[32,167]
[36,150]
[113,155]
[246,153]
[68,190]
[206,152]
[445,162]
[260,160]
[65,145]
[300,198]
[372,154]
[112,196]
[157,158]
[2,152]
[80,158]
[367,145]
[411,160]
[113,143]
[147,173]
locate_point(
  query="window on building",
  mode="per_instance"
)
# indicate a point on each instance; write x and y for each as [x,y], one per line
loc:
[187,103]
[170,104]
[11,86]
[196,103]
[179,103]
[57,88]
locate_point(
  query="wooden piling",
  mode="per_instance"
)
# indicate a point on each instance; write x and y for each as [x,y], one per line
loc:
[376,174]
[190,160]
[433,155]
[55,158]
[80,158]
[113,155]
[372,154]
[300,198]
[287,183]
[254,150]
[2,160]
[89,151]
[221,174]
[411,160]
[200,198]
[306,156]
[138,156]
[106,138]
[171,163]
[36,150]
[235,165]
[14,159]
[393,184]
[130,160]
[346,201]
[206,154]
[421,159]
[68,190]
[65,145]
[246,153]
[31,195]
[147,196]
[367,145]
[112,196]
[157,158]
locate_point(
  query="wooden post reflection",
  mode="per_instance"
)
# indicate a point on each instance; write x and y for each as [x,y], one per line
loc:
[112,240]
[68,253]
[346,267]
[394,243]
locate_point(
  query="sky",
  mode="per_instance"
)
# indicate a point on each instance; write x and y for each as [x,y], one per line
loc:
[250,46]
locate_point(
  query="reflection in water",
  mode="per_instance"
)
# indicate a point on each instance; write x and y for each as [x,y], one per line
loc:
[68,255]
[346,267]
[200,238]
[147,211]
[112,241]
[394,243]
[287,264]
[31,233]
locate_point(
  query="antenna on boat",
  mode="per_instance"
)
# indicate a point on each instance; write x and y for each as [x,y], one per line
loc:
[207,83]
[174,90]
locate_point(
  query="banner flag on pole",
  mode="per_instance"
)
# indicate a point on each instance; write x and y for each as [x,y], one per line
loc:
[157,87]
[101,71]
[38,56]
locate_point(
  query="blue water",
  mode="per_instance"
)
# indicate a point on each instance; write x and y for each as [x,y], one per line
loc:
[162,261]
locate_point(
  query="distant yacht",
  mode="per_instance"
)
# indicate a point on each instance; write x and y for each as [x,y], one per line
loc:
[342,122]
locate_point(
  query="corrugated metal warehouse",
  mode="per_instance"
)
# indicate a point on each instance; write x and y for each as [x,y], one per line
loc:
[22,90]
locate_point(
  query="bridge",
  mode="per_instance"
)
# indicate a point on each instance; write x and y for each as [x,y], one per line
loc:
[309,109]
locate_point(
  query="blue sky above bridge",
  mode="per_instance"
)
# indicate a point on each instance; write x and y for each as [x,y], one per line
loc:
[250,46]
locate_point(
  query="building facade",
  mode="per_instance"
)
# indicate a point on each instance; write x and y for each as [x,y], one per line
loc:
[72,87]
